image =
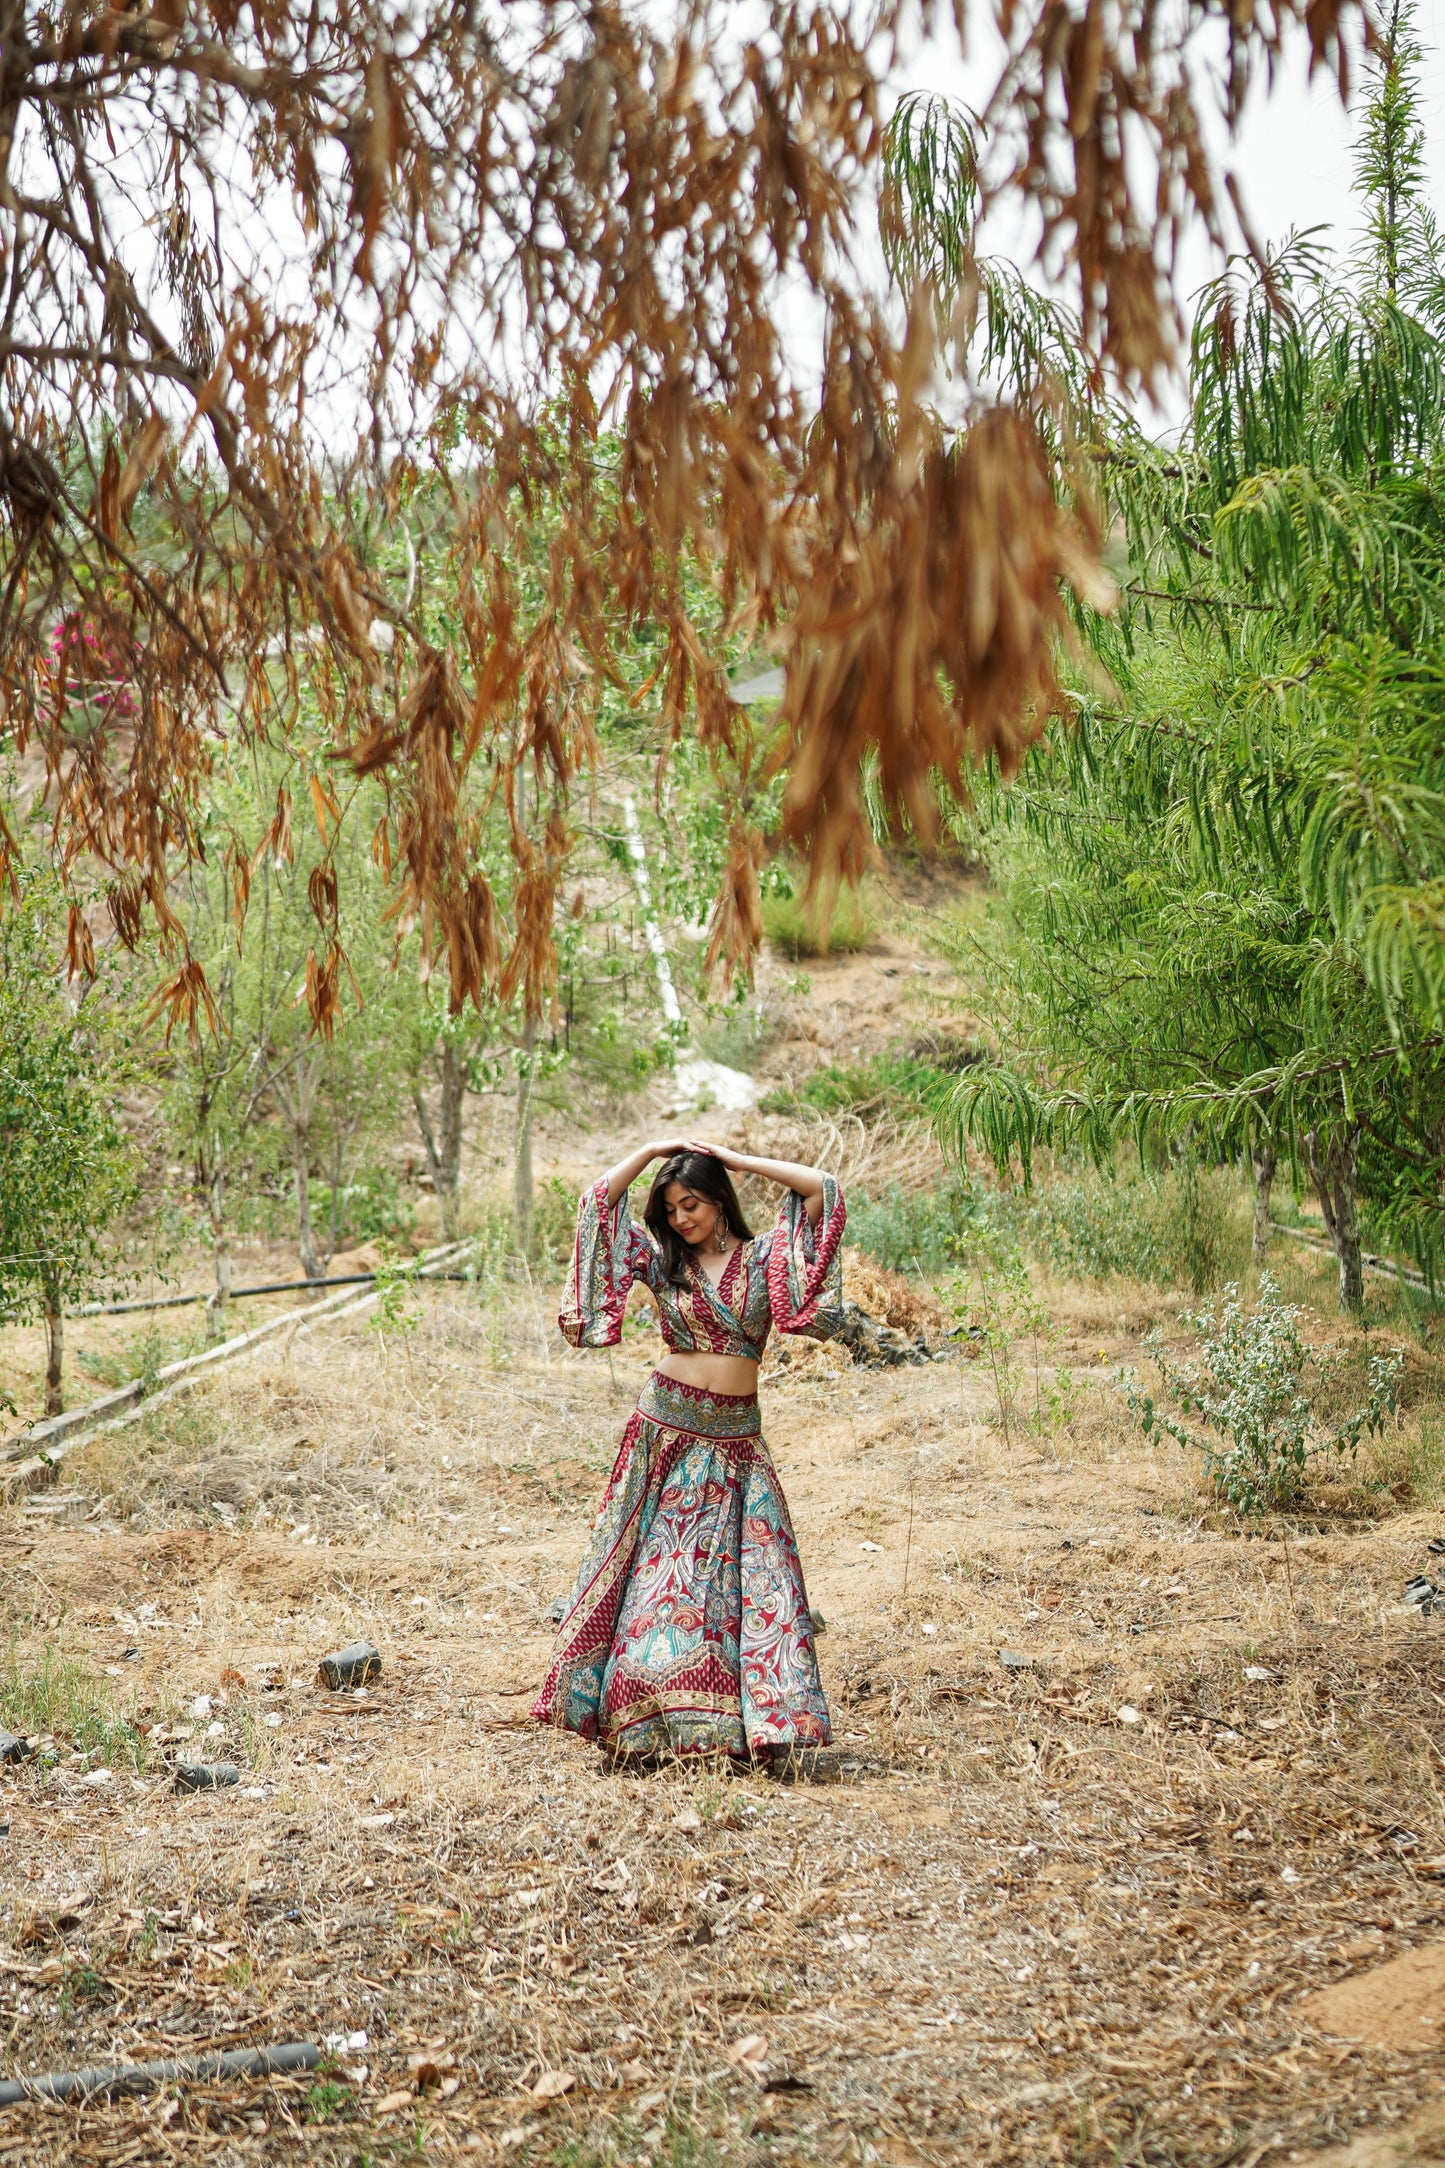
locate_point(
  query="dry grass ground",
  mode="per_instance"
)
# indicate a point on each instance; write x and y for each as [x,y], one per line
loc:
[998,1920]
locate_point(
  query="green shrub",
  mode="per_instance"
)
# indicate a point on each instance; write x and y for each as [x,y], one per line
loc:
[798,929]
[1254,1387]
[371,1209]
[1185,1228]
[1181,1229]
[1094,1229]
[926,1231]
[919,1233]
[397,1310]
[554,1222]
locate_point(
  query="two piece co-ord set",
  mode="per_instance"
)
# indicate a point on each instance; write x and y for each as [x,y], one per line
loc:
[688,1630]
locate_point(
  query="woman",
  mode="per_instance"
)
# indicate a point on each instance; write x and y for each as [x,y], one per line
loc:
[688,1630]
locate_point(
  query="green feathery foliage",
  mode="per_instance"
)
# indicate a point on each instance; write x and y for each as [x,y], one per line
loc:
[1011,338]
[66,1173]
[1225,887]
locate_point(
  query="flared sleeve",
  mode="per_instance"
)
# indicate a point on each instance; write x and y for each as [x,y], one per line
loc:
[609,1253]
[805,1266]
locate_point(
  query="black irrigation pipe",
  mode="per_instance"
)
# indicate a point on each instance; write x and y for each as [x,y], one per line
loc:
[139,2077]
[1370,1262]
[274,1287]
[235,1294]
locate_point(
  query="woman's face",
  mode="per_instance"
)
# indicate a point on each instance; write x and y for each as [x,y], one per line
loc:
[689,1215]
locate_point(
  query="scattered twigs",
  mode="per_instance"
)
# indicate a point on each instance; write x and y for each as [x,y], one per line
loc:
[873,1155]
[1023,1795]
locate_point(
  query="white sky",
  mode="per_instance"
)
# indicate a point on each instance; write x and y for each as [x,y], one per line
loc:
[1293,155]
[1293,152]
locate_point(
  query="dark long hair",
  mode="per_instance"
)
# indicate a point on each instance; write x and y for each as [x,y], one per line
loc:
[707,1177]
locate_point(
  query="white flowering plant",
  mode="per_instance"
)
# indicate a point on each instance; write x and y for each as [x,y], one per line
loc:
[1252,1392]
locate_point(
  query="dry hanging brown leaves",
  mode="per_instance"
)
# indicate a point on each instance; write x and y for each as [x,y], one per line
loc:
[267,267]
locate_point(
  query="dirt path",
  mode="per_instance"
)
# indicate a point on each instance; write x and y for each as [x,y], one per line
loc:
[1066,1911]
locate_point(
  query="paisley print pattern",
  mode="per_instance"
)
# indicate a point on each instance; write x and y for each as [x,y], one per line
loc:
[673,1405]
[688,1629]
[791,1277]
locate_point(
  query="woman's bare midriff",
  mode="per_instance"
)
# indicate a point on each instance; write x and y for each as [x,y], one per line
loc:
[711,1373]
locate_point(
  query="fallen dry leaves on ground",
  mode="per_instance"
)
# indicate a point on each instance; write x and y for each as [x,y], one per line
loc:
[1062,1909]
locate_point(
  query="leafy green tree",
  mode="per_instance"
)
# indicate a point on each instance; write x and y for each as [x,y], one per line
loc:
[66,1169]
[258,1063]
[335,1091]
[1226,886]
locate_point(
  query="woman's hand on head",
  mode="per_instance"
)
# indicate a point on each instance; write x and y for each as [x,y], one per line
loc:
[670,1147]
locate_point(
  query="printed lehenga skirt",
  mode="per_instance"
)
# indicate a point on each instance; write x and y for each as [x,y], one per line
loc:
[688,1630]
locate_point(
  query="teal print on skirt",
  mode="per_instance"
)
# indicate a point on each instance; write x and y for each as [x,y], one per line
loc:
[688,1631]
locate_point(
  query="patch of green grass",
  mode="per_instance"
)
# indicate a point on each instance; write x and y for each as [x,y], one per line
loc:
[683,2144]
[328,2102]
[904,1080]
[1184,1227]
[900,1083]
[60,1696]
[193,1424]
[797,929]
[1407,1464]
[81,1985]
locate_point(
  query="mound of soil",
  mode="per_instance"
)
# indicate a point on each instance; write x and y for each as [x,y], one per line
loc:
[1399,2005]
[891,1299]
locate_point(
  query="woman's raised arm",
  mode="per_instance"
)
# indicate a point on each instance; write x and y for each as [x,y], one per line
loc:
[621,1177]
[790,1173]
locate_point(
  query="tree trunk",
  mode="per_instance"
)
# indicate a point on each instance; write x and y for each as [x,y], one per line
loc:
[1332,1171]
[453,1106]
[522,1163]
[340,1139]
[1262,1158]
[522,1166]
[216,1307]
[54,1349]
[295,1095]
[311,1264]
[444,1141]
